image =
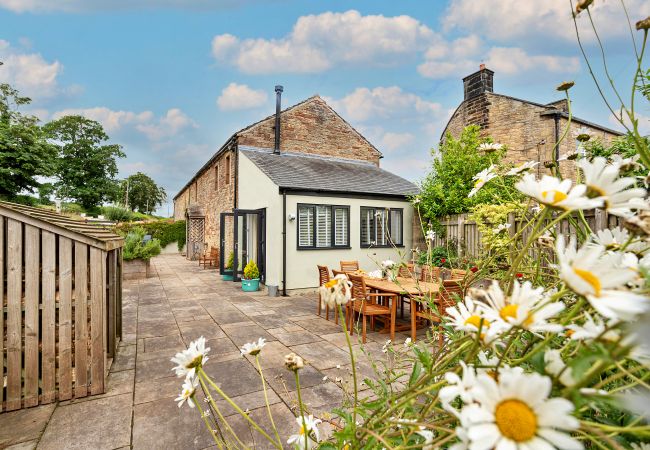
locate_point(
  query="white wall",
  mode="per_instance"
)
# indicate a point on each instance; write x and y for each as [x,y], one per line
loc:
[256,190]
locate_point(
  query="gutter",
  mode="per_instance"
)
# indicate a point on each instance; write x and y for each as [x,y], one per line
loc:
[284,243]
[236,186]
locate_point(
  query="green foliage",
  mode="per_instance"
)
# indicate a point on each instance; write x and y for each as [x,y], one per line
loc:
[445,189]
[144,194]
[135,248]
[488,219]
[251,272]
[72,208]
[27,200]
[230,262]
[117,214]
[86,167]
[166,231]
[623,146]
[439,256]
[45,191]
[24,151]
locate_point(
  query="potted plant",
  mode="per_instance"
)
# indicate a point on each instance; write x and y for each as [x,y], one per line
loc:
[227,274]
[251,280]
[138,249]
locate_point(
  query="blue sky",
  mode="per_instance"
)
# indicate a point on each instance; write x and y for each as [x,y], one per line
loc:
[172,79]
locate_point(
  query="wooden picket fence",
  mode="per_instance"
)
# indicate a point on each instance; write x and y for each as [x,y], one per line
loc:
[60,286]
[464,235]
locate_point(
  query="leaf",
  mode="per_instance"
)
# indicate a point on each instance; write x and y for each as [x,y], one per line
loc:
[415,374]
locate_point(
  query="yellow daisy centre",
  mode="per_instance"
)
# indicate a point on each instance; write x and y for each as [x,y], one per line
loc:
[591,279]
[303,430]
[479,182]
[196,362]
[553,197]
[511,311]
[331,283]
[516,420]
[476,321]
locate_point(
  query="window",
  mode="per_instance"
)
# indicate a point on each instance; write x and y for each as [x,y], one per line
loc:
[227,169]
[381,227]
[216,177]
[323,226]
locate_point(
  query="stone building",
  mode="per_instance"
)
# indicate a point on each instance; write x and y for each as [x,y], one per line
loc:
[291,185]
[530,130]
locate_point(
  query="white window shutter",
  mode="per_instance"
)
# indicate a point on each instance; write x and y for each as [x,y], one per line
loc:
[323,226]
[341,226]
[305,227]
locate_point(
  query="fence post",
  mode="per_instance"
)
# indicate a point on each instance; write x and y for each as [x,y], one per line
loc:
[600,219]
[511,220]
[461,232]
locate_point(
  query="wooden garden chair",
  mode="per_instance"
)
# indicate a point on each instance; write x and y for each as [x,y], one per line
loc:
[364,303]
[406,271]
[448,295]
[209,258]
[349,266]
[458,274]
[430,274]
[323,277]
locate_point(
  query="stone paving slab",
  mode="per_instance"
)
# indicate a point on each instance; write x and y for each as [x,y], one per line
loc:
[162,315]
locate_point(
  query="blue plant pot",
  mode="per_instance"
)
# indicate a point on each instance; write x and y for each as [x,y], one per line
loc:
[250,285]
[227,276]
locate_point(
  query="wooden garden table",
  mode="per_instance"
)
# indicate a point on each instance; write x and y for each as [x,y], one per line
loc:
[402,287]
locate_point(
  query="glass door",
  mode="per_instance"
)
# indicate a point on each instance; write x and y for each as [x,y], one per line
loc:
[249,241]
[226,244]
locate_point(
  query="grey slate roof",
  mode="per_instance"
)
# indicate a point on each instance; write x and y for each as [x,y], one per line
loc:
[314,173]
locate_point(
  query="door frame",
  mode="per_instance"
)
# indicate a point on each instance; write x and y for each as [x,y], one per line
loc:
[222,239]
[261,240]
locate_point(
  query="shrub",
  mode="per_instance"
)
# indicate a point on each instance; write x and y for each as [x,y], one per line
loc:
[117,214]
[136,248]
[251,272]
[166,231]
[231,261]
[439,256]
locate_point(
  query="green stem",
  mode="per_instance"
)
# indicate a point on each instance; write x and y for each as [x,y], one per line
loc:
[218,411]
[266,399]
[207,423]
[354,376]
[302,412]
[237,408]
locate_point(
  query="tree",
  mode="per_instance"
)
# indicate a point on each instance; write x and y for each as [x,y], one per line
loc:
[25,153]
[86,166]
[445,190]
[143,193]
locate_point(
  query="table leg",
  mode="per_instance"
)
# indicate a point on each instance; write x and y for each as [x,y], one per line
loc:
[393,313]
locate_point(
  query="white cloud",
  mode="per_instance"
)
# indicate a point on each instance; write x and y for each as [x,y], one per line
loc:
[30,73]
[365,104]
[111,120]
[240,96]
[169,125]
[509,20]
[643,123]
[145,122]
[77,6]
[318,42]
[396,141]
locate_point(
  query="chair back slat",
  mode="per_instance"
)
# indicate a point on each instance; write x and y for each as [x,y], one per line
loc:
[458,274]
[338,272]
[430,274]
[323,275]
[449,293]
[359,290]
[406,271]
[349,266]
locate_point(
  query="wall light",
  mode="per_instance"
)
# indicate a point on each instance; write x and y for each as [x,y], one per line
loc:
[292,217]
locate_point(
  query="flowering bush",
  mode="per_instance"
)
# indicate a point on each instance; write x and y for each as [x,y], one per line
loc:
[554,352]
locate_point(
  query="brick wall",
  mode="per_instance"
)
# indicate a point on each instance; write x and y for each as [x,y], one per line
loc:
[312,127]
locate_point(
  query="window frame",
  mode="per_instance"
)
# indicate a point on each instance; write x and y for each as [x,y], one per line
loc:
[216,177]
[390,240]
[332,245]
[227,174]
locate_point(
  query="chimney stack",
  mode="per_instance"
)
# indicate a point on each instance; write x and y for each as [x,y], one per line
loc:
[278,108]
[478,82]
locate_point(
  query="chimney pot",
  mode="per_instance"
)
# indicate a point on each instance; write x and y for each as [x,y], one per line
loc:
[481,67]
[278,108]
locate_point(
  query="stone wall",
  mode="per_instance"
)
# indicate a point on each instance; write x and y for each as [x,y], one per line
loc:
[520,126]
[311,127]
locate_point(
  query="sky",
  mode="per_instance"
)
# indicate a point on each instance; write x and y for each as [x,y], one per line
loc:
[171,80]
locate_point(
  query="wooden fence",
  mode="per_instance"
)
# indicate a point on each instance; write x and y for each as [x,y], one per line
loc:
[464,235]
[61,309]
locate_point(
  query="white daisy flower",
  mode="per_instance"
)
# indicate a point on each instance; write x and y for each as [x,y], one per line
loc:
[431,235]
[388,264]
[375,274]
[557,193]
[616,238]
[253,348]
[337,291]
[517,414]
[488,364]
[308,433]
[294,362]
[554,365]
[467,316]
[461,434]
[490,147]
[481,178]
[190,359]
[407,342]
[521,168]
[527,307]
[603,181]
[502,227]
[189,388]
[598,276]
[428,436]
[625,163]
[458,387]
[384,348]
[641,446]
[591,329]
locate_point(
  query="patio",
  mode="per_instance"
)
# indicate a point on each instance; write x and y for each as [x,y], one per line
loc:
[161,315]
